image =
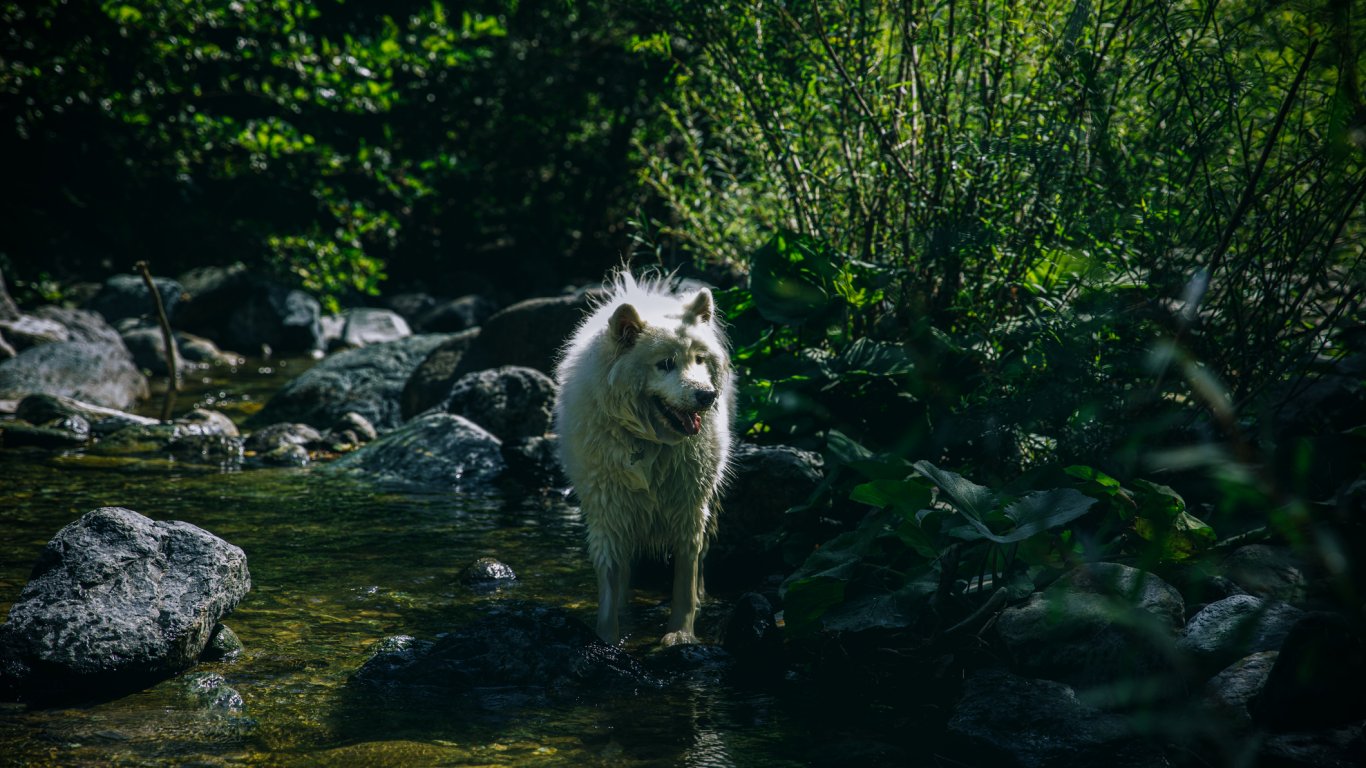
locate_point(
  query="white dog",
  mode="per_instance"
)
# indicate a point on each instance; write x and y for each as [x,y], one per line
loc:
[644,422]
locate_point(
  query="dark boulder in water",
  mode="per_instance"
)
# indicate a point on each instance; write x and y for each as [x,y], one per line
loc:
[516,654]
[116,602]
[511,402]
[367,381]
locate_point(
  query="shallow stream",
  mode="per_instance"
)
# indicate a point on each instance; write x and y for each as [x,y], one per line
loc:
[335,567]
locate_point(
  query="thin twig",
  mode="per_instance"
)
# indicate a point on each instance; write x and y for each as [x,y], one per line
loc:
[167,339]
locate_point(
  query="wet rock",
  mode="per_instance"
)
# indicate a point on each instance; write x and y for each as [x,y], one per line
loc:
[365,326]
[366,380]
[69,432]
[41,409]
[510,402]
[242,311]
[7,350]
[1325,748]
[202,351]
[1229,692]
[353,428]
[1317,679]
[1273,573]
[146,344]
[225,645]
[410,306]
[333,326]
[430,383]
[513,655]
[201,434]
[697,662]
[149,352]
[29,331]
[765,482]
[753,638]
[115,602]
[81,324]
[527,334]
[96,373]
[1103,627]
[127,296]
[487,572]
[285,456]
[456,315]
[432,449]
[534,460]
[267,439]
[1006,719]
[210,691]
[1234,627]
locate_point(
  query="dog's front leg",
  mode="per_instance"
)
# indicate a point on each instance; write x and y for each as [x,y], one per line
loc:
[687,596]
[614,584]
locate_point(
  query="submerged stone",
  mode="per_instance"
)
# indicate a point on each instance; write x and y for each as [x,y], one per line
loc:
[515,654]
[432,449]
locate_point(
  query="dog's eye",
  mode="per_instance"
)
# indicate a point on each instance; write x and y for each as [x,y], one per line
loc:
[701,359]
[667,364]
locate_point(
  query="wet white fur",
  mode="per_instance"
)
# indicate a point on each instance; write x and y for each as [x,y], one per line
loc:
[645,489]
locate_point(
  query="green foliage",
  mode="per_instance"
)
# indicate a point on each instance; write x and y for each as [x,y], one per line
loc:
[333,143]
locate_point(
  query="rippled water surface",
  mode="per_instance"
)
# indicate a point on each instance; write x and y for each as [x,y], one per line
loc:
[335,567]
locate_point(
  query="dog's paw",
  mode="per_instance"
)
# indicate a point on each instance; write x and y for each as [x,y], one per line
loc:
[681,637]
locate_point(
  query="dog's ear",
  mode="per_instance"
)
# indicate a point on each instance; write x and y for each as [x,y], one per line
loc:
[701,307]
[625,325]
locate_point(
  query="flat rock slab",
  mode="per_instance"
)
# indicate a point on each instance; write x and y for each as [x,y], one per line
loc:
[116,602]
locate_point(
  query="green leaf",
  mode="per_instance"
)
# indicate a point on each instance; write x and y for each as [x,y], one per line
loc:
[790,278]
[1103,482]
[1044,511]
[807,600]
[869,358]
[909,495]
[974,501]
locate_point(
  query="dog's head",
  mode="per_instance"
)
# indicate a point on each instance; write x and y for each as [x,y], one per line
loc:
[669,369]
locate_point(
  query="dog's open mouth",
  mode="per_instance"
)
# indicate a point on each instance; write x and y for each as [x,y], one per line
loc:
[686,422]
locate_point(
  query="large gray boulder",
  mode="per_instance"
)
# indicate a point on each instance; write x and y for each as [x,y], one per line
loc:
[367,381]
[116,602]
[29,331]
[433,449]
[96,373]
[81,324]
[1235,627]
[511,402]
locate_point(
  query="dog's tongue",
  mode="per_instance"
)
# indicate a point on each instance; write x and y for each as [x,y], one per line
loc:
[691,420]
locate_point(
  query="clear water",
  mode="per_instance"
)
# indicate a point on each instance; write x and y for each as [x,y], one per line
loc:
[335,567]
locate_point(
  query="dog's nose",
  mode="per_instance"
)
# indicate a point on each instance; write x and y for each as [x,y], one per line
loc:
[705,397]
